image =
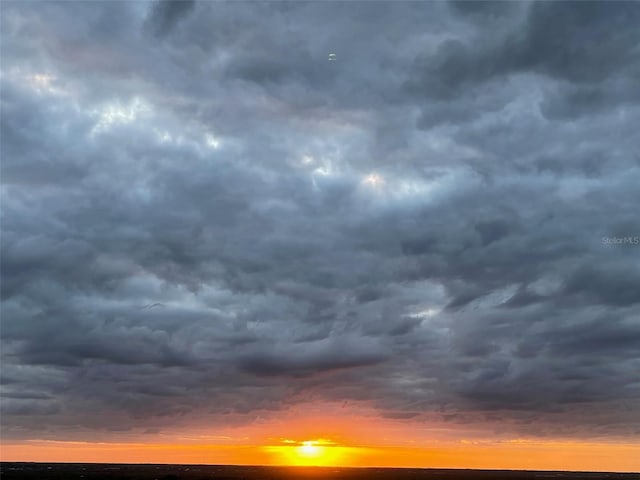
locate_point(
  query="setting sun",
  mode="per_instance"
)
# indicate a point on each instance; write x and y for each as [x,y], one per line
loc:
[313,452]
[317,453]
[309,449]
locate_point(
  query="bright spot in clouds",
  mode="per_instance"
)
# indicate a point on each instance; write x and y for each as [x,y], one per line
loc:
[426,313]
[164,136]
[373,180]
[115,113]
[42,83]
[212,142]
[41,80]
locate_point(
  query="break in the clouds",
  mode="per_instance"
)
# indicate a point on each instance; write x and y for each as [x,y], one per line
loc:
[204,217]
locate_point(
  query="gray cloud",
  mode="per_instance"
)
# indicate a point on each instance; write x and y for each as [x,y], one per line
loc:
[215,219]
[165,14]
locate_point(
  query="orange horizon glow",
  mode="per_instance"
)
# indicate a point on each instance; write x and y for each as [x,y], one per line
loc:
[512,455]
[570,456]
[321,434]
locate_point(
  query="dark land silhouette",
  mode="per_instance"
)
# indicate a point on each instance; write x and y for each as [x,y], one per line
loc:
[105,471]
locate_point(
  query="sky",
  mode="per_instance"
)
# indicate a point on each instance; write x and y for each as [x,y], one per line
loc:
[407,232]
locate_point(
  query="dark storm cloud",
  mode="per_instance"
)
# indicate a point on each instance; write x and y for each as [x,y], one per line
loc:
[166,13]
[314,356]
[203,215]
[589,48]
[566,40]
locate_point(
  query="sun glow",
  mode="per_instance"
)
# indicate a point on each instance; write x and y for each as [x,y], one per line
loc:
[309,449]
[310,453]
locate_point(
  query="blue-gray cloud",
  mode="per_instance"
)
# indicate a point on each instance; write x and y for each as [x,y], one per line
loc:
[203,215]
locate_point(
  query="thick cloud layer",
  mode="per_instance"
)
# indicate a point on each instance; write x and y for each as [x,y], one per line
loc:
[204,215]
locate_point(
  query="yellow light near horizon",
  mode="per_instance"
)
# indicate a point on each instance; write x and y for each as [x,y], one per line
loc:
[309,450]
[309,453]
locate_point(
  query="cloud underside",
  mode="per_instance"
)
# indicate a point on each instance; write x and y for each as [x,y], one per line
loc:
[203,215]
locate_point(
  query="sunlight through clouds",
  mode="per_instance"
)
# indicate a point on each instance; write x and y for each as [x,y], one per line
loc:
[373,180]
[211,141]
[118,113]
[209,228]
